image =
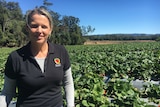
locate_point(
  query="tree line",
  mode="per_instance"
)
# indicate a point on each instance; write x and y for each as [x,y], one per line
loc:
[12,26]
[155,37]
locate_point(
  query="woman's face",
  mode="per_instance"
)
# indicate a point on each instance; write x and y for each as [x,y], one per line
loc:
[39,29]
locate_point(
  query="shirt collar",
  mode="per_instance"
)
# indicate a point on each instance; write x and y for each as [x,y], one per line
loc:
[51,49]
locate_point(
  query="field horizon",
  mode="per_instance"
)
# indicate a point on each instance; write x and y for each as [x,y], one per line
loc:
[94,42]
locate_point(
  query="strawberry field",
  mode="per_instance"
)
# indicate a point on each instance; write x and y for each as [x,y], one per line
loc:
[122,65]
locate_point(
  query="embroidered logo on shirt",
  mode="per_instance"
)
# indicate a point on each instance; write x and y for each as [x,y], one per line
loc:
[57,62]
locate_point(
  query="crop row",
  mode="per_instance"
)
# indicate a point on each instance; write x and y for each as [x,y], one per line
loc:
[130,61]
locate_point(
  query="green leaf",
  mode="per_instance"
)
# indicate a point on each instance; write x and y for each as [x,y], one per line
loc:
[84,102]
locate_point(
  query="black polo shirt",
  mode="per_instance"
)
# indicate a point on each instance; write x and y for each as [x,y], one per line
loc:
[37,89]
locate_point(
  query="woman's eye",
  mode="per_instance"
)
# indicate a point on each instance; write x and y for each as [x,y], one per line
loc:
[34,26]
[44,27]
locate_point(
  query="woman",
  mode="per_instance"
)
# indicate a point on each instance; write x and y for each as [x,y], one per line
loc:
[40,68]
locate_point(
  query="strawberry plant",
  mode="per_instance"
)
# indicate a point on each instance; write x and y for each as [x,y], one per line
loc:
[128,61]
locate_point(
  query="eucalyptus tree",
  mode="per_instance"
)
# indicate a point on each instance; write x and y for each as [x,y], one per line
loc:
[10,26]
[71,25]
[87,29]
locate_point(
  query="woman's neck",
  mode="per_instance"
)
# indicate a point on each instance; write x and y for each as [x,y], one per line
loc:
[39,51]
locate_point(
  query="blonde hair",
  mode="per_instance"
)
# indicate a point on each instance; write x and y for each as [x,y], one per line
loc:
[40,11]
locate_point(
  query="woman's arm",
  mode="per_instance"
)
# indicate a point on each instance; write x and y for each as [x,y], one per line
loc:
[69,87]
[9,89]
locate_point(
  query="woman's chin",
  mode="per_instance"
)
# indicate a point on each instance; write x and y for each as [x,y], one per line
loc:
[40,41]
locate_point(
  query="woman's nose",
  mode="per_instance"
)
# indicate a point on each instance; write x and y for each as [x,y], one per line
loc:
[39,29]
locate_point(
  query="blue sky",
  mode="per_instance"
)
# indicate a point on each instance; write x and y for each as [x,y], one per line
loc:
[107,16]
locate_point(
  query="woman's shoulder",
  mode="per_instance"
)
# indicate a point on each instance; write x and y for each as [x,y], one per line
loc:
[20,51]
[57,47]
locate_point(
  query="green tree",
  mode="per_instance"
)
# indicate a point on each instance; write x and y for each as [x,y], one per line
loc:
[87,29]
[71,25]
[10,24]
[4,14]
